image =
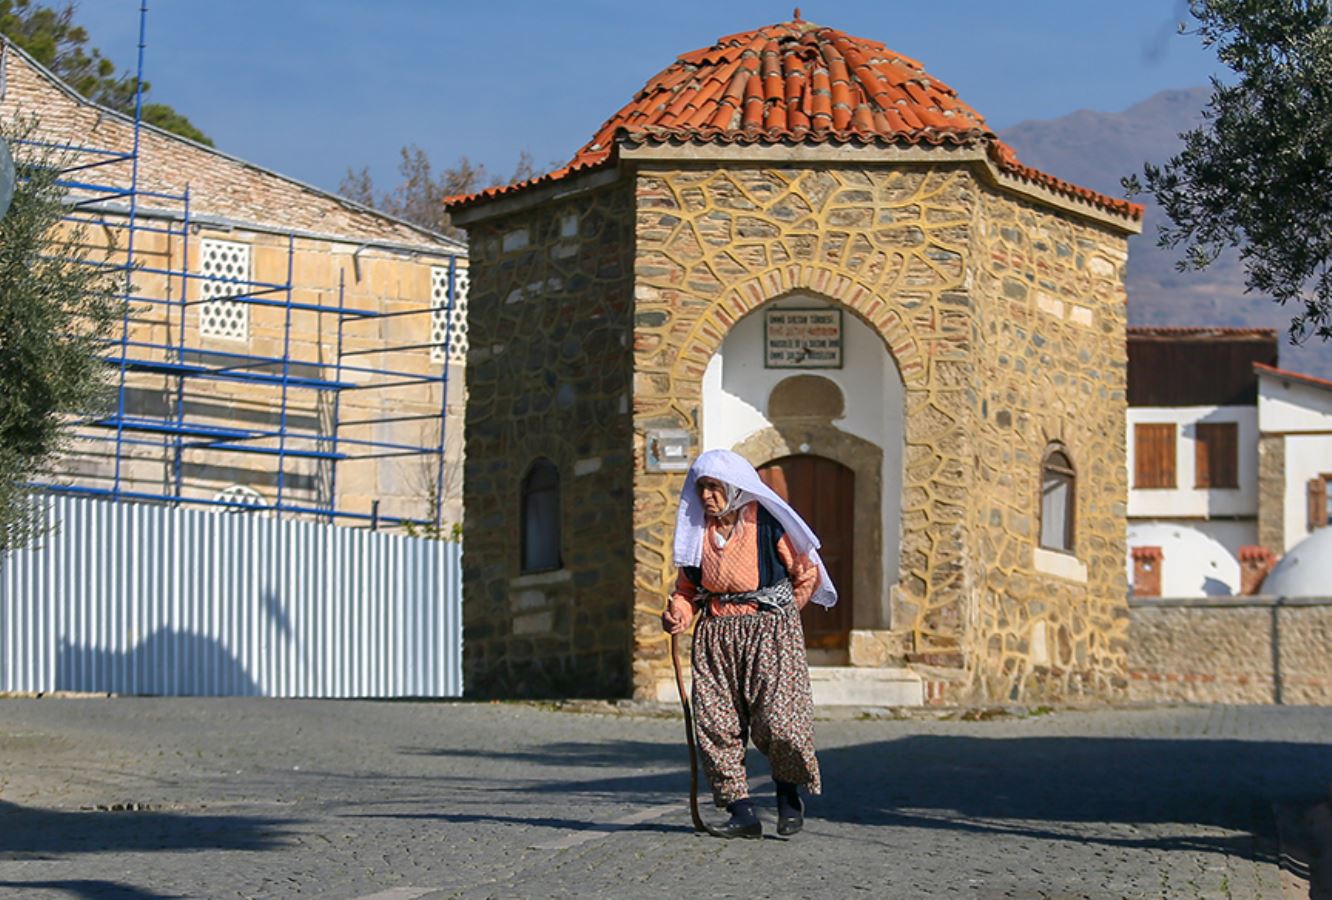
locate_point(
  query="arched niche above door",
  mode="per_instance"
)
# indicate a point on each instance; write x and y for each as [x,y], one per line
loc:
[806,397]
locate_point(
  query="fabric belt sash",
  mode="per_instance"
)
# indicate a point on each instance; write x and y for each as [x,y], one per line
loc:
[773,598]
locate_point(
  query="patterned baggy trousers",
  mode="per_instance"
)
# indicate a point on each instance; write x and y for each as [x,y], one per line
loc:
[751,682]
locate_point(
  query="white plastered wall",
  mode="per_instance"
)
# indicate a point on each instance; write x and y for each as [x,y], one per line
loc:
[1199,558]
[1286,406]
[1302,414]
[736,388]
[1307,456]
[1185,500]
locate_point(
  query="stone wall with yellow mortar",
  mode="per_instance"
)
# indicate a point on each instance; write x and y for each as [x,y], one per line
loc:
[923,254]
[549,376]
[716,244]
[1231,650]
[1049,333]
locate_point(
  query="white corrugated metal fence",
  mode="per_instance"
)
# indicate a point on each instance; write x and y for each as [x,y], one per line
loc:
[141,599]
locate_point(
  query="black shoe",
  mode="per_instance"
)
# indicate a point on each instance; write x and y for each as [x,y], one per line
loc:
[744,821]
[790,809]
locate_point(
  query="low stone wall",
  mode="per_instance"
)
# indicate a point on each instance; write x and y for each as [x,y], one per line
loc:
[1231,650]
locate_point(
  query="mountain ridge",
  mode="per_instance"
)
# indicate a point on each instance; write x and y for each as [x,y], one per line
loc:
[1096,149]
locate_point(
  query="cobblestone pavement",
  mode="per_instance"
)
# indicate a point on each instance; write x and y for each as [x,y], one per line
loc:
[216,798]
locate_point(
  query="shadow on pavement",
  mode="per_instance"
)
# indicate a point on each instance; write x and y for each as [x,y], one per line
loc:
[1306,844]
[1070,779]
[1317,830]
[86,887]
[573,753]
[27,833]
[525,821]
[1041,787]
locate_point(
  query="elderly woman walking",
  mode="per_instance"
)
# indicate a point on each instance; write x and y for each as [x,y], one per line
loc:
[748,564]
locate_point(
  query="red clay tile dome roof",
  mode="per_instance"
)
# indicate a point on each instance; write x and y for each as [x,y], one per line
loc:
[797,82]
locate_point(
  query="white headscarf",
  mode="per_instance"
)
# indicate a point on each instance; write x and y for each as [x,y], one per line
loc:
[735,498]
[732,470]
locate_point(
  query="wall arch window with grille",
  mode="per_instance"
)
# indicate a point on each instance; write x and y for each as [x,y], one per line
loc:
[225,266]
[541,517]
[239,498]
[1058,493]
[448,327]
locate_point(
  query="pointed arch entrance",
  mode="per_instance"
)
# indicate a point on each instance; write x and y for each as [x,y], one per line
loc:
[823,491]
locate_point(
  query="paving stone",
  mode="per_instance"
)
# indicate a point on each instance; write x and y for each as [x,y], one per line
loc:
[243,797]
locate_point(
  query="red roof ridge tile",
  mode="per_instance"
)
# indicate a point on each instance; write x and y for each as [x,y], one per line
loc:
[800,82]
[1312,380]
[1201,329]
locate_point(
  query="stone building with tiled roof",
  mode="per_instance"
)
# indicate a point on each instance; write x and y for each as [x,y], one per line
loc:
[799,245]
[230,387]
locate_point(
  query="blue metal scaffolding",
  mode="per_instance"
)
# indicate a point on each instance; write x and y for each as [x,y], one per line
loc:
[102,196]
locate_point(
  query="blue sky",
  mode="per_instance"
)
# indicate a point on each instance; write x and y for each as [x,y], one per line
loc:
[311,87]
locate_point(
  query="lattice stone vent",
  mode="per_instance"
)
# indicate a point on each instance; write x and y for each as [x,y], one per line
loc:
[226,265]
[242,498]
[445,325]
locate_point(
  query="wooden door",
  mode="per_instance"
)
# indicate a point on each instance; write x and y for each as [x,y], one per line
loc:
[823,492]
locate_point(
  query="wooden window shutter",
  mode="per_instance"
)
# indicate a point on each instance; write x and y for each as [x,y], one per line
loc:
[1154,455]
[1317,492]
[1216,455]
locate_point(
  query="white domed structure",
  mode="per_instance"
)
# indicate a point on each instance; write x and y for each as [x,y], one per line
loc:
[1305,570]
[1193,564]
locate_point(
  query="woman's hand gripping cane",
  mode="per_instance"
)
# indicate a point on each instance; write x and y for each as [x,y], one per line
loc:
[678,616]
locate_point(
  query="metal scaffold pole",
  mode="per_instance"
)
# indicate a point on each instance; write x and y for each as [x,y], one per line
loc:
[129,248]
[186,401]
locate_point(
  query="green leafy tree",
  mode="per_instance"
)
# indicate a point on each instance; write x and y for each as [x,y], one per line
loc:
[419,197]
[1257,173]
[56,312]
[50,36]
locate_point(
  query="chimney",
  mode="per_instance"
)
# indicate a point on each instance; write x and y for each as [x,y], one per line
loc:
[1255,563]
[1147,571]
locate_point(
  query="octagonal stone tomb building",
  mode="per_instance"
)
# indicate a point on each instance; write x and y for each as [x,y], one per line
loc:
[799,245]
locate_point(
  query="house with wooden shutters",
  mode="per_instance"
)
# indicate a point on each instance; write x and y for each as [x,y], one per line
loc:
[1229,457]
[1295,455]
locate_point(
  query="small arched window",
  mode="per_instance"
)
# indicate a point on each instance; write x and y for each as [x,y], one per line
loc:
[541,517]
[1058,492]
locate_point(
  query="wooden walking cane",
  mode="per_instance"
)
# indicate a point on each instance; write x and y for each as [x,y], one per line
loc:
[699,824]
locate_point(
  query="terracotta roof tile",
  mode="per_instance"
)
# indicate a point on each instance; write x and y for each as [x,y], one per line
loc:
[795,81]
[800,82]
[820,105]
[841,94]
[862,119]
[837,69]
[841,116]
[1170,330]
[772,70]
[753,114]
[1264,369]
